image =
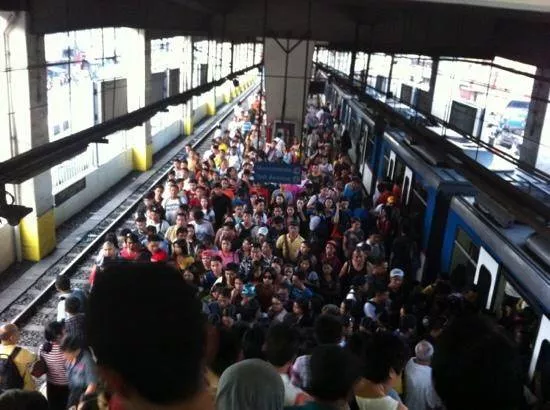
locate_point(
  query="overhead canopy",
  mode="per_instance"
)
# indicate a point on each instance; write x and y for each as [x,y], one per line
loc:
[515,29]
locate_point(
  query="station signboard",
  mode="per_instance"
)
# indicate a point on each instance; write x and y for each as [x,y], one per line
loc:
[277,173]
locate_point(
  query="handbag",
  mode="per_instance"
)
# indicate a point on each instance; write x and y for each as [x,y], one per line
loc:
[39,368]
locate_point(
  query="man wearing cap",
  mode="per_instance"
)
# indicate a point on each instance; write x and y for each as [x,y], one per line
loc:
[155,219]
[262,234]
[289,244]
[396,295]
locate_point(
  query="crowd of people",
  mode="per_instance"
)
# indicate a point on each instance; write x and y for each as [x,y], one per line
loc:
[236,295]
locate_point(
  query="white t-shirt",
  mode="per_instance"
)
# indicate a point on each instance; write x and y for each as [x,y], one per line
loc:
[419,390]
[380,403]
[292,392]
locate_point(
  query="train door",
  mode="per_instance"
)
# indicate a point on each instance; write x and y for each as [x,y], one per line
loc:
[366,154]
[485,278]
[390,171]
[406,187]
[539,366]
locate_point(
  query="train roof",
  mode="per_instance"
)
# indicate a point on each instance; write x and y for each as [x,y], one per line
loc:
[528,275]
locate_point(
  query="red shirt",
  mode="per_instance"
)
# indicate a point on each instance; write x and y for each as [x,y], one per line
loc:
[159,256]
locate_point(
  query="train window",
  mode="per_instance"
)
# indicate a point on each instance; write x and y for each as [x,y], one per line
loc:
[464,240]
[368,135]
[464,260]
[399,172]
[419,191]
[65,125]
[56,129]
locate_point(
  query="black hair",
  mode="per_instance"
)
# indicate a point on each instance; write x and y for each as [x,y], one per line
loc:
[281,345]
[70,343]
[15,399]
[118,340]
[303,304]
[72,305]
[63,283]
[111,237]
[467,352]
[383,352]
[232,266]
[333,372]
[328,329]
[52,331]
[229,349]
[253,341]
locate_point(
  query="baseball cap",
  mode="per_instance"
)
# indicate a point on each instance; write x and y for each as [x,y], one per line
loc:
[396,272]
[263,231]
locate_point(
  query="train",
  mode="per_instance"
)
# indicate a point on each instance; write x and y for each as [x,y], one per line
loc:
[459,230]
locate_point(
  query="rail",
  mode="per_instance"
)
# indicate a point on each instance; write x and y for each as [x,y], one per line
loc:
[22,316]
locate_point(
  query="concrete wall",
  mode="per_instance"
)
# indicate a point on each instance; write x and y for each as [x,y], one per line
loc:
[97,182]
[7,250]
[162,138]
[200,113]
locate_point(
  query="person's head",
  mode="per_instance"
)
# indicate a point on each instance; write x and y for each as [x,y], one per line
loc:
[224,297]
[328,329]
[333,373]
[293,230]
[141,222]
[71,347]
[16,399]
[154,214]
[198,215]
[131,241]
[330,249]
[239,284]
[381,293]
[181,219]
[226,245]
[267,249]
[9,334]
[423,351]
[256,251]
[153,243]
[63,283]
[119,344]
[298,278]
[72,305]
[108,250]
[384,357]
[53,332]
[358,257]
[281,345]
[476,366]
[268,277]
[396,279]
[216,265]
[174,190]
[300,307]
[251,384]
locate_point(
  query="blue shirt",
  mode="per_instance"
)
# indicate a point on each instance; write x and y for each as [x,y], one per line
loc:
[296,293]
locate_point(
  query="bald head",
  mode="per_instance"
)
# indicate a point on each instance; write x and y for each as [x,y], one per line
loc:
[9,334]
[424,351]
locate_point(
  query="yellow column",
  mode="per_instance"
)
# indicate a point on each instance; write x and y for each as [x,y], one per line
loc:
[188,118]
[211,103]
[37,235]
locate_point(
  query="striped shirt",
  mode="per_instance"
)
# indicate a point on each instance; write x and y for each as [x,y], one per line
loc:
[55,361]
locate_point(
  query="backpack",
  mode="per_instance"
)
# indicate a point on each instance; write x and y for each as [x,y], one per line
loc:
[10,378]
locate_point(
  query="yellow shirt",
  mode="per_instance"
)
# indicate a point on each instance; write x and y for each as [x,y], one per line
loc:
[285,244]
[24,361]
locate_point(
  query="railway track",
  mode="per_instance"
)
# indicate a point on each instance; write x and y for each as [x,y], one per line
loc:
[38,304]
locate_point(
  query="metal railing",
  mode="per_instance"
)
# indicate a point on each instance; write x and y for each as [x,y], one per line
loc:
[75,168]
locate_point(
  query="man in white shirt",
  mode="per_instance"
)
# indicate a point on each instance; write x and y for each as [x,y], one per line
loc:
[172,204]
[419,391]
